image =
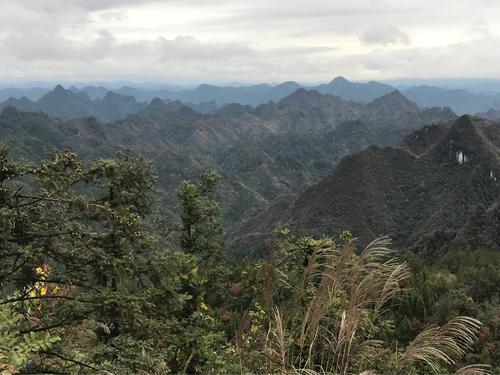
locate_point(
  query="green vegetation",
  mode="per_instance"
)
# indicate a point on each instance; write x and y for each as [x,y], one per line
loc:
[421,193]
[16,347]
[91,282]
[202,229]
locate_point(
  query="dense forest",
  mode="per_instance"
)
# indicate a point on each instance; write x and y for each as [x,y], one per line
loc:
[95,279]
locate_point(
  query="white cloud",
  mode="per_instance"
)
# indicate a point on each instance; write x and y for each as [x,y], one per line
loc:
[187,48]
[475,58]
[384,35]
[238,40]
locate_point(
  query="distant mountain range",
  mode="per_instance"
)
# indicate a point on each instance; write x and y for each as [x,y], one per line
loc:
[439,191]
[357,92]
[67,104]
[264,154]
[459,101]
[209,98]
[33,93]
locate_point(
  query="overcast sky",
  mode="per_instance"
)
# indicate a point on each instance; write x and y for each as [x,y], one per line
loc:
[218,41]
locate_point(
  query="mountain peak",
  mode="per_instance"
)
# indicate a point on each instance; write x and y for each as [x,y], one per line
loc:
[288,84]
[301,97]
[234,110]
[59,89]
[157,102]
[355,91]
[340,79]
[159,110]
[465,120]
[111,94]
[396,94]
[395,100]
[470,136]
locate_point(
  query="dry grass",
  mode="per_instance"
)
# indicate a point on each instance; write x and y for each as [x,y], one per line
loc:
[474,370]
[337,300]
[437,345]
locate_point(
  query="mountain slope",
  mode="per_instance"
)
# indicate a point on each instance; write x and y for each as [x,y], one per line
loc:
[431,194]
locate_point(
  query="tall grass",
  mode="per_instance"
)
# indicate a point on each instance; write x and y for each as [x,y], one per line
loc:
[332,319]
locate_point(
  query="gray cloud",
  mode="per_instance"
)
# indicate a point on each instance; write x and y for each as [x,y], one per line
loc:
[237,40]
[56,6]
[384,35]
[187,48]
[474,58]
[35,46]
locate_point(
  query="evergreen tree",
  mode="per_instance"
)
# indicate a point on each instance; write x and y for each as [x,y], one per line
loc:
[202,228]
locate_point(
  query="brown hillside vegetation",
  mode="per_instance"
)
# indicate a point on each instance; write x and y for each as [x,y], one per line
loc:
[441,186]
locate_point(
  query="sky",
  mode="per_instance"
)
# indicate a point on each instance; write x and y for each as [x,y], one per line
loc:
[222,41]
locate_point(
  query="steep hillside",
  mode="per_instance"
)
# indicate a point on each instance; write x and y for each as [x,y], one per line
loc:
[439,191]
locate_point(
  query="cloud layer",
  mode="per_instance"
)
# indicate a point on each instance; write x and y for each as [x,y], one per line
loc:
[188,41]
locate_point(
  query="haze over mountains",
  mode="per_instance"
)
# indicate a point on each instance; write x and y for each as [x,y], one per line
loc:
[96,100]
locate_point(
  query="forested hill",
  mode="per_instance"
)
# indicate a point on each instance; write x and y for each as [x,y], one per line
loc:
[440,190]
[265,154]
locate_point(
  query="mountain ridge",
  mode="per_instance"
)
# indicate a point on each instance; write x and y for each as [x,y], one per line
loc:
[264,153]
[427,193]
[69,104]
